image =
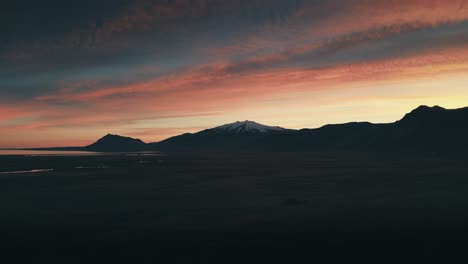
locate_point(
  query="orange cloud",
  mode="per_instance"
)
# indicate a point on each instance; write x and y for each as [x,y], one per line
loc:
[8,112]
[257,65]
[362,14]
[212,89]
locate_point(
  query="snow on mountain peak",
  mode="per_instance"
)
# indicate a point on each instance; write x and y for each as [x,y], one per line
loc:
[247,126]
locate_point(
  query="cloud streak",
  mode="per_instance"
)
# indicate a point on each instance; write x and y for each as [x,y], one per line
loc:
[163,61]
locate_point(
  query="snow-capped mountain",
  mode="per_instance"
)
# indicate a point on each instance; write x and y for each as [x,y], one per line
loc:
[433,129]
[245,127]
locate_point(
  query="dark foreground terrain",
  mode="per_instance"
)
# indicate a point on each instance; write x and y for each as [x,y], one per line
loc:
[234,208]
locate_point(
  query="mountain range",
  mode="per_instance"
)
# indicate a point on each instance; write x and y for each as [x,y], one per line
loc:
[423,129]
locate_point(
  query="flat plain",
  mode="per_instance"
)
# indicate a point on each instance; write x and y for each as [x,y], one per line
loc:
[209,207]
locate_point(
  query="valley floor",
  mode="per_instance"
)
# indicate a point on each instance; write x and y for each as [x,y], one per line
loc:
[246,208]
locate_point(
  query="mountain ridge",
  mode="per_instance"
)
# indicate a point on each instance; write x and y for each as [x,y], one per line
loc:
[244,127]
[424,128]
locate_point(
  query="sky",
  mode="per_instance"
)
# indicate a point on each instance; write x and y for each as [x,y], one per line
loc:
[73,71]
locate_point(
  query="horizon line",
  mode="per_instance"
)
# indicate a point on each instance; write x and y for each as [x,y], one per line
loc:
[297,129]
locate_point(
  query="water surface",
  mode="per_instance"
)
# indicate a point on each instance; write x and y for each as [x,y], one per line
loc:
[16,152]
[26,171]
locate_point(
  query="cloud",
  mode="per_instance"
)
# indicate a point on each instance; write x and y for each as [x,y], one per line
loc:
[150,60]
[356,15]
[210,88]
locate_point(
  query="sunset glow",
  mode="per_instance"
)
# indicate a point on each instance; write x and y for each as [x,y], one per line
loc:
[156,69]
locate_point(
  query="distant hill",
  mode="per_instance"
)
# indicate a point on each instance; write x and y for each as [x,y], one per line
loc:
[116,143]
[432,128]
[423,129]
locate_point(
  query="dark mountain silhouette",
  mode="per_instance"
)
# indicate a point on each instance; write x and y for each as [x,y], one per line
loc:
[432,128]
[237,136]
[423,129]
[117,143]
[245,127]
[108,143]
